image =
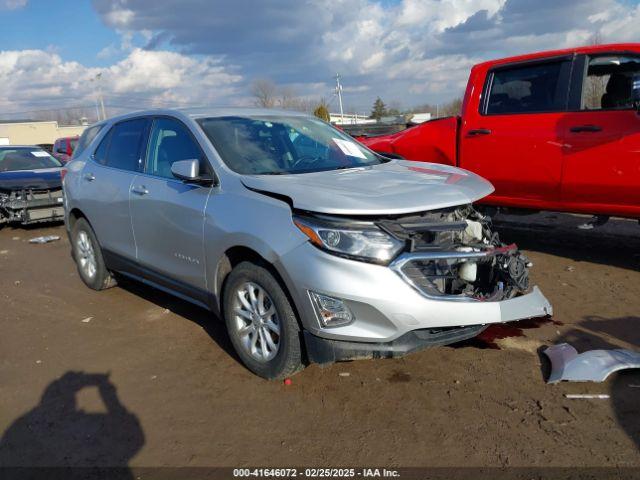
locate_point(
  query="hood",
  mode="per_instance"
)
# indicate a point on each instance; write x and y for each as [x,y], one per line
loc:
[42,179]
[391,188]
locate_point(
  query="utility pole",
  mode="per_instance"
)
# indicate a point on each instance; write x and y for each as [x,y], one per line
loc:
[99,100]
[99,78]
[339,92]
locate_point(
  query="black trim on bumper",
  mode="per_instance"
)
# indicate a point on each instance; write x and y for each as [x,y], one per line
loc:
[322,350]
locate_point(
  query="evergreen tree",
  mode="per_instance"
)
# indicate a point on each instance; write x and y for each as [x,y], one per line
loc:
[379,109]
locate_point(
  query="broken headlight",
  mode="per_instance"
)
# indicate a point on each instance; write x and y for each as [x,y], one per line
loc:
[362,241]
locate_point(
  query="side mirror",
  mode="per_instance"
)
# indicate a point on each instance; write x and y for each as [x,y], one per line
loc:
[189,171]
[635,91]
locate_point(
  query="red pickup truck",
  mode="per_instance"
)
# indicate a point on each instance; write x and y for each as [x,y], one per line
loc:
[555,130]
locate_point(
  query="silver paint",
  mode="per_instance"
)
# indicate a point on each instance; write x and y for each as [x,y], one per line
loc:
[202,223]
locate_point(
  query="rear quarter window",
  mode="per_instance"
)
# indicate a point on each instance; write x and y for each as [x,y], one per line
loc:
[122,147]
[85,140]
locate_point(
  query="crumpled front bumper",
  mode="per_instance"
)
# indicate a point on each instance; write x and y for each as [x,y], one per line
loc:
[27,206]
[533,304]
[385,306]
[322,350]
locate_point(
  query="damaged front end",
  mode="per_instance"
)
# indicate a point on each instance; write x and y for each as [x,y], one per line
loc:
[453,254]
[28,206]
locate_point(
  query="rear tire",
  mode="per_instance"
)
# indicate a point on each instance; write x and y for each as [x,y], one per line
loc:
[88,257]
[261,322]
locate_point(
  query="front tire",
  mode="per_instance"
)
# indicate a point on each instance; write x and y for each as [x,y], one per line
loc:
[261,322]
[88,256]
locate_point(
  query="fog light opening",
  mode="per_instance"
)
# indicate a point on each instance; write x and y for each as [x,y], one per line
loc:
[331,311]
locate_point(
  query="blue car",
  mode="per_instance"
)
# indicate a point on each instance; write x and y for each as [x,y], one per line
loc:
[30,186]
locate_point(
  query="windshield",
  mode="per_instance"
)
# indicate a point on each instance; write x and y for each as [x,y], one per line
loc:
[26,158]
[273,145]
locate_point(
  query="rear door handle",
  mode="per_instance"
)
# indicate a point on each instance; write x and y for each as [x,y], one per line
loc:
[89,177]
[586,128]
[141,190]
[478,131]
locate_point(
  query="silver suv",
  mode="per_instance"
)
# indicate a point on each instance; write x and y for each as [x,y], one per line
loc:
[311,247]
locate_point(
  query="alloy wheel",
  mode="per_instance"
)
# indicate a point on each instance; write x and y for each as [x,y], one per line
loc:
[256,322]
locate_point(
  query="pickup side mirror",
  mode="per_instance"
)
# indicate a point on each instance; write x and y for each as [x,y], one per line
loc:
[635,90]
[189,171]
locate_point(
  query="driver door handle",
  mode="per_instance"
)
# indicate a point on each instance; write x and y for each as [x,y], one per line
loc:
[478,131]
[140,190]
[89,177]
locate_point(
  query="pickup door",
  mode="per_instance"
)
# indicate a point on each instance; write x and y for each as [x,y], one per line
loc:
[510,134]
[602,138]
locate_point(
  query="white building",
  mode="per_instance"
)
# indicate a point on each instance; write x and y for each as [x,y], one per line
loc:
[350,119]
[420,117]
[34,133]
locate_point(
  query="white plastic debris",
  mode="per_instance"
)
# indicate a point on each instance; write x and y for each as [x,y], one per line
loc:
[87,320]
[45,239]
[588,396]
[590,366]
[344,374]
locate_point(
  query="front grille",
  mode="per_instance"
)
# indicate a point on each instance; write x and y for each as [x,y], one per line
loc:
[434,277]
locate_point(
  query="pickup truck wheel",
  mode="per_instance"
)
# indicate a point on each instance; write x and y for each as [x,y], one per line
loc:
[262,325]
[88,257]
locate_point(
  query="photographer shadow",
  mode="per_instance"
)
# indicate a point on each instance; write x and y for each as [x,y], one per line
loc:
[56,433]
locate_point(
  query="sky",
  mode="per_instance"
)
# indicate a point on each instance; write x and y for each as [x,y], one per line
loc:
[166,53]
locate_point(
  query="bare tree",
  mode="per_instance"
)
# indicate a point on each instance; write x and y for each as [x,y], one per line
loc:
[451,108]
[264,92]
[287,98]
[394,107]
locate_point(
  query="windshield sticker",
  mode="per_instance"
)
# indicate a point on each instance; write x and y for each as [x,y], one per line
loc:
[39,154]
[349,148]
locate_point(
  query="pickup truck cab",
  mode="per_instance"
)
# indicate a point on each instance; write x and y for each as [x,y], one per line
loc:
[555,130]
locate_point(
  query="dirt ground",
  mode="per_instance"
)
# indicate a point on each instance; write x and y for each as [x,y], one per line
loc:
[132,376]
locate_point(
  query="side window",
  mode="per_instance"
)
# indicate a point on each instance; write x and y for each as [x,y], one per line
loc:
[529,88]
[62,146]
[170,142]
[126,145]
[85,139]
[100,155]
[608,82]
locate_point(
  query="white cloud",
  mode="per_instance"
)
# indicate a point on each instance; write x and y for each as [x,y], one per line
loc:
[13,4]
[437,16]
[35,79]
[413,51]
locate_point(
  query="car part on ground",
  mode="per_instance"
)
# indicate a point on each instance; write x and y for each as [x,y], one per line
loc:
[45,239]
[591,366]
